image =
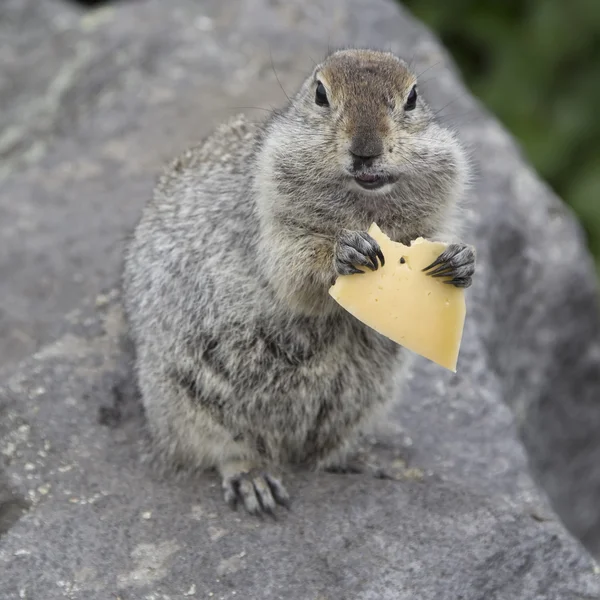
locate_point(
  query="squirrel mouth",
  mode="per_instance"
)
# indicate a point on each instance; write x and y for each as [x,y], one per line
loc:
[370,181]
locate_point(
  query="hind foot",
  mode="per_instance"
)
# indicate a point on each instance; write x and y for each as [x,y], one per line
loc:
[254,487]
[358,464]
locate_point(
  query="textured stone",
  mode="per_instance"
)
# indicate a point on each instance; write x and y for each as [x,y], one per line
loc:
[464,521]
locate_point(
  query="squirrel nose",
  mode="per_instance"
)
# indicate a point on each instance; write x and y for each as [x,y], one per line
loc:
[365,149]
[359,160]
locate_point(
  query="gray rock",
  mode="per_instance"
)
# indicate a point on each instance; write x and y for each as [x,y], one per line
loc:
[463,521]
[84,515]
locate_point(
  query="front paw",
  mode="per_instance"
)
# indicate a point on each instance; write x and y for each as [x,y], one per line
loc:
[355,249]
[457,263]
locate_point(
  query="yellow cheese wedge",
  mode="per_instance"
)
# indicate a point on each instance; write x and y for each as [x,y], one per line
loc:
[419,312]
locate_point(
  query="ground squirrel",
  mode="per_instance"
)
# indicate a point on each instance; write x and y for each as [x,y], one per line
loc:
[244,361]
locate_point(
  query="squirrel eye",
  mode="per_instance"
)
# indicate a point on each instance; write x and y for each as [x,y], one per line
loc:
[411,101]
[321,95]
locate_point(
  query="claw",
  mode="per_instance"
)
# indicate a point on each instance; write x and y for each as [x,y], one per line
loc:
[279,492]
[246,491]
[445,273]
[231,497]
[463,282]
[373,263]
[265,495]
[381,257]
[441,269]
[348,269]
[361,465]
[438,261]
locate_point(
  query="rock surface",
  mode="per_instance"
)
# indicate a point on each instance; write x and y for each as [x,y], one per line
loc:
[113,93]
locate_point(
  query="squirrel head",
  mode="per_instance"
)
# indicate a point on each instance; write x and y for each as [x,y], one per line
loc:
[359,126]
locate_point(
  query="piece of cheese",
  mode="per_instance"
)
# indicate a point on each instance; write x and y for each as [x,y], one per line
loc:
[401,302]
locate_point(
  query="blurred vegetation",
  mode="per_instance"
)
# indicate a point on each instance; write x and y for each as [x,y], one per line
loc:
[536,65]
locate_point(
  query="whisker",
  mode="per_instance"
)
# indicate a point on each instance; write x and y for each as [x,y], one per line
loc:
[449,103]
[276,76]
[445,118]
[269,110]
[435,64]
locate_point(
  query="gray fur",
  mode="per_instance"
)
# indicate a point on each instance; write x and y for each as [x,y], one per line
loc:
[244,361]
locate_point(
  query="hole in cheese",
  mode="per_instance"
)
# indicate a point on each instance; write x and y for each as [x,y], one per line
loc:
[399,301]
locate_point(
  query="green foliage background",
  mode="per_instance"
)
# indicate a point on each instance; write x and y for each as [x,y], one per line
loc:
[536,64]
